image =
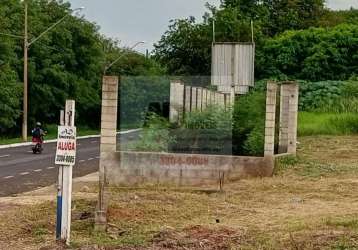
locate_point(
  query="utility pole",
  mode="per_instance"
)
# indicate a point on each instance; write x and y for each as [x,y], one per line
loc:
[25,100]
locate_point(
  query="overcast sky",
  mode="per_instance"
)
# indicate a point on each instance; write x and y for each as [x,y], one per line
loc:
[131,21]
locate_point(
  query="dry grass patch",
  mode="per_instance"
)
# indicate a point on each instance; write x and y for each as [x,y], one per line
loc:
[310,203]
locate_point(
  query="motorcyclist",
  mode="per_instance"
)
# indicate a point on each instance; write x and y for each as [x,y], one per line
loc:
[38,133]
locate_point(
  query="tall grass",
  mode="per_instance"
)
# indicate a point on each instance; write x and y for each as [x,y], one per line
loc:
[314,123]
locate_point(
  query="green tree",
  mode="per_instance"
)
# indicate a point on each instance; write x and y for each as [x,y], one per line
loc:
[67,62]
[315,54]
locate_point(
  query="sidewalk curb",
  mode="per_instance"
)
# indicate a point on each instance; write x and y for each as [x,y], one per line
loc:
[15,145]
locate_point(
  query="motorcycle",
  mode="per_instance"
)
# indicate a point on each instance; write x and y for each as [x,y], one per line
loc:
[37,145]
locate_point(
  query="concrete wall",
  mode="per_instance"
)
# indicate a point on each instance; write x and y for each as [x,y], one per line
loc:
[135,168]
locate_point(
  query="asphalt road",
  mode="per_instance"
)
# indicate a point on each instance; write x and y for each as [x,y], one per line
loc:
[22,171]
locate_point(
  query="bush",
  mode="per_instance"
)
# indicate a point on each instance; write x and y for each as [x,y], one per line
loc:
[249,124]
[209,131]
[329,96]
[155,137]
[254,145]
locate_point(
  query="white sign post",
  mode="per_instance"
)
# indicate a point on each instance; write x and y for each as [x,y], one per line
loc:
[66,158]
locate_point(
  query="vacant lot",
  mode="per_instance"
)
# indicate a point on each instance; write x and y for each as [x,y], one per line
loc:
[310,203]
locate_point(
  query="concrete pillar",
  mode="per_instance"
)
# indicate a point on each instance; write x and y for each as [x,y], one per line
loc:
[194,104]
[270,119]
[288,117]
[199,99]
[227,101]
[204,99]
[222,100]
[176,101]
[187,106]
[232,96]
[212,97]
[108,142]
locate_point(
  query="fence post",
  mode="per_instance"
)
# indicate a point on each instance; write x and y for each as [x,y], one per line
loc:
[292,120]
[108,142]
[176,101]
[270,119]
[288,117]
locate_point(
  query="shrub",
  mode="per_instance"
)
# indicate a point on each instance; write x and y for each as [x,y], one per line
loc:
[155,137]
[249,124]
[209,131]
[329,96]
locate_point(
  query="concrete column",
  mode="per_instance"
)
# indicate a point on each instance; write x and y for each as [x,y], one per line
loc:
[270,119]
[232,96]
[288,117]
[108,142]
[199,99]
[176,101]
[204,99]
[222,100]
[194,104]
[187,106]
[284,114]
[212,97]
[227,101]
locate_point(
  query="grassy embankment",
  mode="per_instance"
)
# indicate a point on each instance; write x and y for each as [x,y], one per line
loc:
[327,123]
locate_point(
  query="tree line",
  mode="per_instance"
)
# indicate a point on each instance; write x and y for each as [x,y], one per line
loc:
[295,39]
[67,62]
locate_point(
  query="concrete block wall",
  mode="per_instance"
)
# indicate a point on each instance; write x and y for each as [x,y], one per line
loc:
[138,168]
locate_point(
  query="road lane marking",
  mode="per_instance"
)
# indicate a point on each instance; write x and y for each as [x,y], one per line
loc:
[3,156]
[50,167]
[94,141]
[97,157]
[82,160]
[24,173]
[90,159]
[8,177]
[29,152]
[38,170]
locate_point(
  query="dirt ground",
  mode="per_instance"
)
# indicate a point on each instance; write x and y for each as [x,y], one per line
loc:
[310,203]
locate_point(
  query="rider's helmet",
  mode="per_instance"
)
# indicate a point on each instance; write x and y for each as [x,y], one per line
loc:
[38,124]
